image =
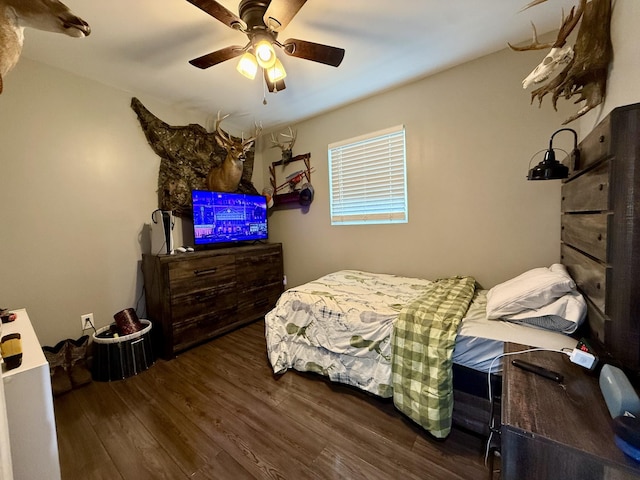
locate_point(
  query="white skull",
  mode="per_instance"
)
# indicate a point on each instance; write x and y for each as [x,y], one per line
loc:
[555,58]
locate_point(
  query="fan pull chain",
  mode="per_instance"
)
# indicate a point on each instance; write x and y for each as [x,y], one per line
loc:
[264,92]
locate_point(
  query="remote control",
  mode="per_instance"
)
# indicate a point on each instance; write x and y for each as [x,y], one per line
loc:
[538,370]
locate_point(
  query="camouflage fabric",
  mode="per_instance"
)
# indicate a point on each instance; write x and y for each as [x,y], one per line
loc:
[422,347]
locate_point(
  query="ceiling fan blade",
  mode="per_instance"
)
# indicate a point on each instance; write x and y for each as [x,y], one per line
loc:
[280,12]
[219,56]
[219,12]
[271,86]
[316,52]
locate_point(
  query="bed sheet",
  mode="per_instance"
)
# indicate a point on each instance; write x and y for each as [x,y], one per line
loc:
[480,340]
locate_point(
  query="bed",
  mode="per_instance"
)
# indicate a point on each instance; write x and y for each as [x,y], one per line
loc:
[428,344]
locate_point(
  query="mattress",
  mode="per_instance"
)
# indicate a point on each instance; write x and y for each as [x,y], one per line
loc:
[480,340]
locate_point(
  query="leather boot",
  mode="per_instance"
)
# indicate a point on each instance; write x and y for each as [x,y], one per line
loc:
[78,371]
[58,364]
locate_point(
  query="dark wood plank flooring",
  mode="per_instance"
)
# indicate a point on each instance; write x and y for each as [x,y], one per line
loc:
[217,412]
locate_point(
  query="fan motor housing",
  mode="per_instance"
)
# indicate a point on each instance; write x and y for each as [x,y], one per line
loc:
[252,13]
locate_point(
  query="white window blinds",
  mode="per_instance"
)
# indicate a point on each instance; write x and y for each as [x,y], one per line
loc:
[367,178]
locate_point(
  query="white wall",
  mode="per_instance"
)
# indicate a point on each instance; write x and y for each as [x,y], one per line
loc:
[470,135]
[78,185]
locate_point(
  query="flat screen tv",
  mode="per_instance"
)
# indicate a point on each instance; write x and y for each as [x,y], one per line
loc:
[222,218]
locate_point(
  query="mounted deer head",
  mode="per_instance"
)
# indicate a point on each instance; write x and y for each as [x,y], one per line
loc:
[585,64]
[226,176]
[286,147]
[47,15]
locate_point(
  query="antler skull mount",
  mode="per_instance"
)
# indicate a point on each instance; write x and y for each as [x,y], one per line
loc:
[585,64]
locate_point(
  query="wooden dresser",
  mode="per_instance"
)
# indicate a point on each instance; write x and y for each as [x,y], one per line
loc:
[193,297]
[600,238]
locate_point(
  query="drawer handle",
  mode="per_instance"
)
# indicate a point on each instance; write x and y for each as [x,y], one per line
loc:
[601,186]
[206,271]
[600,237]
[598,285]
[601,139]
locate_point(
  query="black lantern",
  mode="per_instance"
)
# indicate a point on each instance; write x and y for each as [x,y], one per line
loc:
[550,168]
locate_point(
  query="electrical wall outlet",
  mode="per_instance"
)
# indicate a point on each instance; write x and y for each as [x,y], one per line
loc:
[87,321]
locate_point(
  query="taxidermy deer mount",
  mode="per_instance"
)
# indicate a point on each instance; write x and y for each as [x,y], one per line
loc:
[187,156]
[47,15]
[586,64]
[226,176]
[287,146]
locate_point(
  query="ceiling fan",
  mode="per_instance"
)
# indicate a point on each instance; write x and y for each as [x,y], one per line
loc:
[262,21]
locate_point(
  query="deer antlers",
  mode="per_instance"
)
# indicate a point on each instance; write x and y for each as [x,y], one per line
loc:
[566,27]
[226,141]
[286,147]
[292,135]
[585,64]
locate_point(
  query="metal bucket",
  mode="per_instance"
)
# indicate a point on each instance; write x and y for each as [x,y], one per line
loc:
[121,357]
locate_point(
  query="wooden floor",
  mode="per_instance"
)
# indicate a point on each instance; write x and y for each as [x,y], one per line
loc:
[217,412]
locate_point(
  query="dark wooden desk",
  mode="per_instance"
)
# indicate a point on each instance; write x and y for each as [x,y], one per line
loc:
[557,431]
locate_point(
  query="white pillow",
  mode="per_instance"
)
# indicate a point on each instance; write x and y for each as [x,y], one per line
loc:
[564,314]
[529,291]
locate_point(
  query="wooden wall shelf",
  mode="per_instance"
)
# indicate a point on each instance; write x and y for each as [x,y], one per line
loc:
[289,199]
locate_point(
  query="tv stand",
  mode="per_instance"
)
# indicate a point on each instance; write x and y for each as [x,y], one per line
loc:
[193,297]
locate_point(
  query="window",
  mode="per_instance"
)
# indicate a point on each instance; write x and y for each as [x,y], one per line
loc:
[367,177]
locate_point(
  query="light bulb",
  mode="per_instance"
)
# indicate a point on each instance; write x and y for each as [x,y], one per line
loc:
[277,72]
[248,66]
[265,53]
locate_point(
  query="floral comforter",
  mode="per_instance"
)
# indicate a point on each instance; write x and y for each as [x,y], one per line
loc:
[341,326]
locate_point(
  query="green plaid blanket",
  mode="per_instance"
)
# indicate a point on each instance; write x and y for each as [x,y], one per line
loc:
[422,347]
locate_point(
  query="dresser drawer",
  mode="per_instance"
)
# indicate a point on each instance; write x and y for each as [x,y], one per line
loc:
[588,192]
[590,276]
[204,327]
[190,305]
[259,269]
[256,302]
[201,273]
[587,233]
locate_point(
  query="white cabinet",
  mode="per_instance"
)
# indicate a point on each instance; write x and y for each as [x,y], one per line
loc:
[29,405]
[6,472]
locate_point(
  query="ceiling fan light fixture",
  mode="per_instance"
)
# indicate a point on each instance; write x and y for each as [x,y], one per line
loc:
[276,72]
[248,66]
[265,53]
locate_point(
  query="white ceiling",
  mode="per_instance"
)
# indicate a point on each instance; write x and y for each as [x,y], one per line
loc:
[143,47]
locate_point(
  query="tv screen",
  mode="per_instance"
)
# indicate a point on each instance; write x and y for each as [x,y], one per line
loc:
[221,217]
